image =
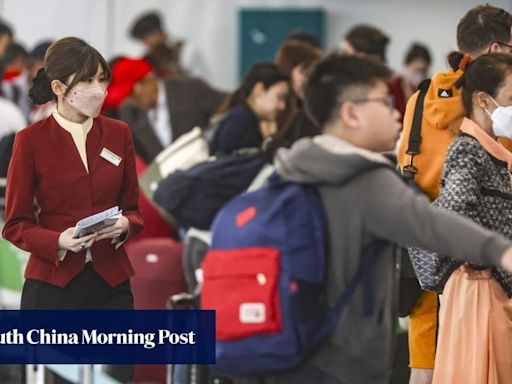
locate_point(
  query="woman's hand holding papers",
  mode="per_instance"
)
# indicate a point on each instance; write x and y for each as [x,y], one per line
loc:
[68,243]
[114,231]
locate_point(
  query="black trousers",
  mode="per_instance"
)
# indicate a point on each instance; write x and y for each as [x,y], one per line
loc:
[87,290]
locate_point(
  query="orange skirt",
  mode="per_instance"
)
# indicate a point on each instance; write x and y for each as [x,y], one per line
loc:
[475,331]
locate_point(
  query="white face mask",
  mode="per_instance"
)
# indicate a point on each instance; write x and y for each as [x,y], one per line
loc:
[501,120]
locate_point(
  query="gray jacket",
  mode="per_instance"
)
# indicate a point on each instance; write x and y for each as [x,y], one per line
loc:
[365,199]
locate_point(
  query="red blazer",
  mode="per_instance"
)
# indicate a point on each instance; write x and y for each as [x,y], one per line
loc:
[46,168]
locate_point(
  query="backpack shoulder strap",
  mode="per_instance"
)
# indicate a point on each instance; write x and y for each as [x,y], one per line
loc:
[363,275]
[415,136]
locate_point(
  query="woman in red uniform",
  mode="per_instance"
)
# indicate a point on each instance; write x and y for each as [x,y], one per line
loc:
[69,166]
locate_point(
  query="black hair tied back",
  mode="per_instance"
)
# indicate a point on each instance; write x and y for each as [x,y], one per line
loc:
[41,90]
[454,59]
[457,60]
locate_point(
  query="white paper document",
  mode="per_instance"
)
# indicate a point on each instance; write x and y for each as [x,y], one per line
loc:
[97,222]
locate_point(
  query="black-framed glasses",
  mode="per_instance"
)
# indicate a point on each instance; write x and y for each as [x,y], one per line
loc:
[388,101]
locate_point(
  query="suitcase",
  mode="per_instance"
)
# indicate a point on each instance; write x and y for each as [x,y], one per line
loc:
[158,271]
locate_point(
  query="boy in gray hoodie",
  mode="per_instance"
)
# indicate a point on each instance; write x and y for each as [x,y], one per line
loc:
[364,200]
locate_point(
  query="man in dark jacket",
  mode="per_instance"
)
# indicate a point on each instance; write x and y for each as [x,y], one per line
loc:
[159,111]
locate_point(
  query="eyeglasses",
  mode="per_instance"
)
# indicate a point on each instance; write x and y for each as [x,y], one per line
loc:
[388,101]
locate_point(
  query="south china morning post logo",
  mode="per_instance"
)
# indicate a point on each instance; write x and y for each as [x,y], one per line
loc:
[94,337]
[145,337]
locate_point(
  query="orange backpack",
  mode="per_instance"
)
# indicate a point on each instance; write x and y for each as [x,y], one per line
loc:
[431,119]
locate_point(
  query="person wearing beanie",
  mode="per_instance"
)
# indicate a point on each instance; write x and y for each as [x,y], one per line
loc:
[158,111]
[126,73]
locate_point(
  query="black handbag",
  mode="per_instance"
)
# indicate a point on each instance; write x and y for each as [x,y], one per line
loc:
[410,289]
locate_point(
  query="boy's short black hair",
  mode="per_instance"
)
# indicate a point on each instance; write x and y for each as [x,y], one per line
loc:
[334,78]
[146,24]
[482,26]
